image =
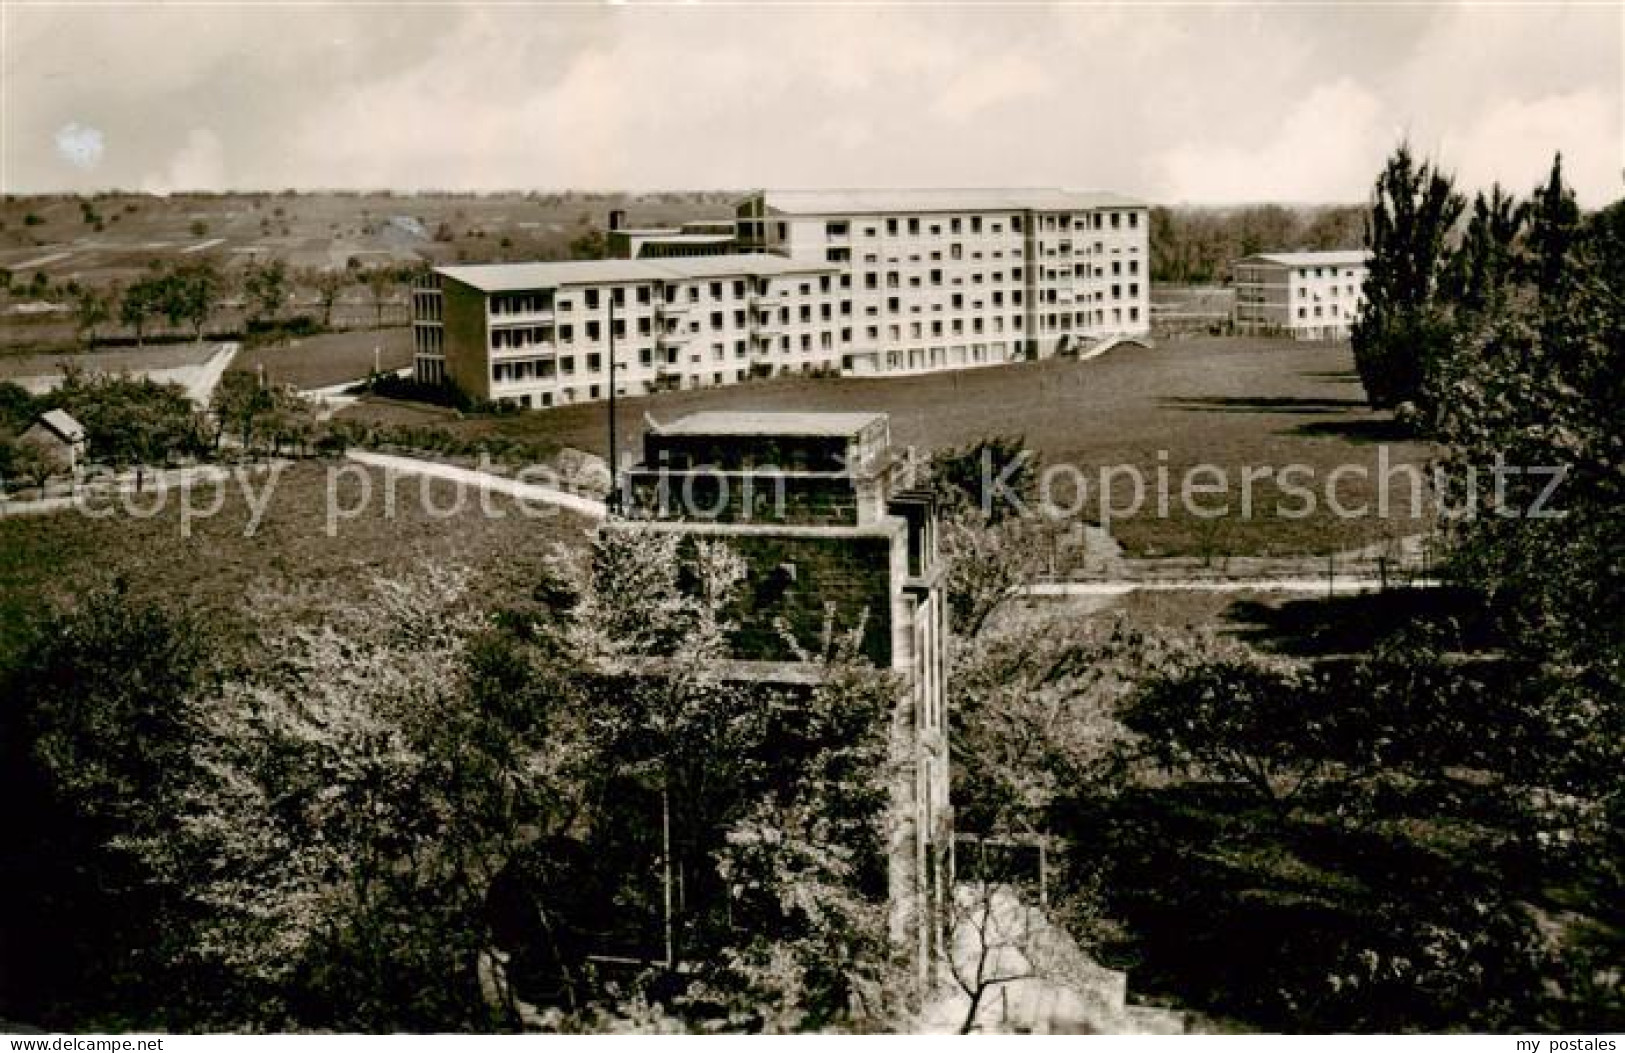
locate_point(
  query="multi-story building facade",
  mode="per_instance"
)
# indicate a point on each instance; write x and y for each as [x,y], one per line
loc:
[544,334]
[820,508]
[885,282]
[1304,295]
[953,278]
[701,237]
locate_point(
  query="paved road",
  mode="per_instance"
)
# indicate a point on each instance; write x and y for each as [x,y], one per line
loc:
[1341,584]
[332,398]
[200,387]
[496,484]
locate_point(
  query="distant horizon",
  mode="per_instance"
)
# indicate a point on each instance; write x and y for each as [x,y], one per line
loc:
[385,191]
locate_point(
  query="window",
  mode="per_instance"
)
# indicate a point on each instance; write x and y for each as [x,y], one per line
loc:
[914,226]
[594,331]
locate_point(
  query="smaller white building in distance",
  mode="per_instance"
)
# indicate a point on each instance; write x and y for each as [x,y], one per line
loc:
[1304,295]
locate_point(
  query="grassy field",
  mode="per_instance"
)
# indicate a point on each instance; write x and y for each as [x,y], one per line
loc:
[118,235]
[166,356]
[1231,403]
[220,573]
[332,358]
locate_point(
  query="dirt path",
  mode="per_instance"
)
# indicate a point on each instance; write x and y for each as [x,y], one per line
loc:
[483,480]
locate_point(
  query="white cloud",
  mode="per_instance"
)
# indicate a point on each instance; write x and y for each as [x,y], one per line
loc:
[1326,148]
[1514,141]
[80,145]
[200,164]
[1234,102]
[989,84]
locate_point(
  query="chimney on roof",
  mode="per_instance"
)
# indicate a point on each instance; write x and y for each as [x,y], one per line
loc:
[617,218]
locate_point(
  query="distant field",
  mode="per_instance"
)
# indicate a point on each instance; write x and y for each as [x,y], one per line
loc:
[333,358]
[60,235]
[117,238]
[1229,402]
[165,356]
[219,574]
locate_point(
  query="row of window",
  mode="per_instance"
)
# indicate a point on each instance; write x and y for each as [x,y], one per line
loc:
[521,337]
[956,253]
[915,226]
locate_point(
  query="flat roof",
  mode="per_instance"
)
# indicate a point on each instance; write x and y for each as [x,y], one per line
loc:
[769,422]
[684,238]
[1332,257]
[842,202]
[517,277]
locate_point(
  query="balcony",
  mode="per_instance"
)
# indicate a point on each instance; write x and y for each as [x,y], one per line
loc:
[673,308]
[523,351]
[535,317]
[672,340]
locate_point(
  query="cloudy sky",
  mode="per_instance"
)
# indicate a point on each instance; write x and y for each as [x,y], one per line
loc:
[1203,103]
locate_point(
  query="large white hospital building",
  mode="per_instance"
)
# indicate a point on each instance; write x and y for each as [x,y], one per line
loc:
[857,282]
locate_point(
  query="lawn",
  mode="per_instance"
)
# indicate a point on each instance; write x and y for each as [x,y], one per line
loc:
[164,356]
[1227,402]
[333,358]
[1296,624]
[220,573]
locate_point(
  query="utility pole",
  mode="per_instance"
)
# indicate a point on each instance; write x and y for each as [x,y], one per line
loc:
[665,863]
[614,488]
